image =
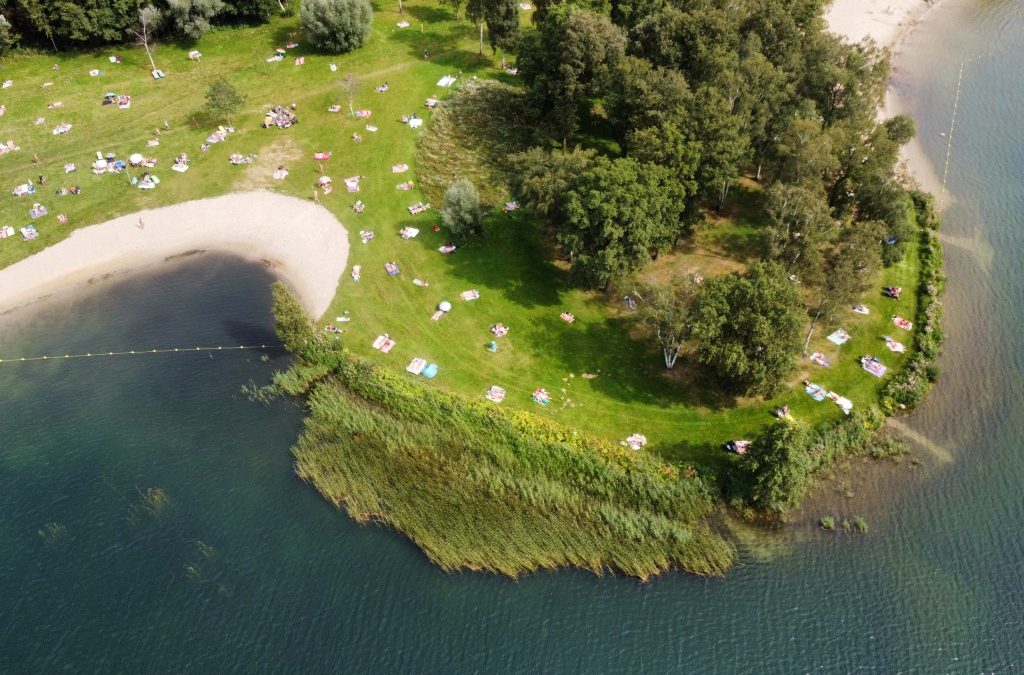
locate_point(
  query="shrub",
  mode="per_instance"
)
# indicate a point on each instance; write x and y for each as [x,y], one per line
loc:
[461,211]
[336,25]
[828,523]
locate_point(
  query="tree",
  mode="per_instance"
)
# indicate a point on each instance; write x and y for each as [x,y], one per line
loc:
[617,214]
[223,99]
[569,60]
[461,211]
[800,228]
[666,311]
[8,36]
[35,13]
[781,466]
[723,143]
[540,180]
[337,25]
[669,146]
[456,5]
[350,85]
[144,30]
[749,328]
[643,96]
[252,11]
[192,18]
[502,25]
[804,152]
[852,264]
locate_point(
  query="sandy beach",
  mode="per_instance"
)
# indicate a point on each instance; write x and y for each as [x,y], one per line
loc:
[301,241]
[888,23]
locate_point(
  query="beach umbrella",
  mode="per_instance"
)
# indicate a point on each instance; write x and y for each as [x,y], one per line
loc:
[136,158]
[445,306]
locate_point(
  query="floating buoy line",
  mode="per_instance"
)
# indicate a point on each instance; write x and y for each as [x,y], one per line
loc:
[139,352]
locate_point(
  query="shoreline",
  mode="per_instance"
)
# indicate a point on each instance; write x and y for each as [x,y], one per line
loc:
[889,23]
[302,242]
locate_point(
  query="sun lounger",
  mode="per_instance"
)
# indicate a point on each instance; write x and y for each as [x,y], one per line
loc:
[819,358]
[840,337]
[416,366]
[470,295]
[495,394]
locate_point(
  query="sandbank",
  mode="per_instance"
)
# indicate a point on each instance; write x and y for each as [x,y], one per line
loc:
[302,242]
[888,23]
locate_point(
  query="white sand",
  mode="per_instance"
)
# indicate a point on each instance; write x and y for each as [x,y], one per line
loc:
[302,242]
[888,23]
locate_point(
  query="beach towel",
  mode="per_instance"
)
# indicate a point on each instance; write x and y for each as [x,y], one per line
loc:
[402,24]
[399,168]
[430,371]
[372,129]
[861,309]
[6,231]
[416,366]
[387,346]
[873,366]
[894,346]
[379,342]
[356,270]
[840,337]
[815,391]
[436,316]
[405,186]
[363,114]
[448,248]
[541,396]
[415,123]
[446,81]
[409,232]
[421,282]
[496,394]
[900,322]
[568,317]
[180,168]
[819,358]
[391,268]
[470,295]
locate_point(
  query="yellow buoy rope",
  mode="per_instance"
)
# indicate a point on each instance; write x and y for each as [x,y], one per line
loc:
[138,352]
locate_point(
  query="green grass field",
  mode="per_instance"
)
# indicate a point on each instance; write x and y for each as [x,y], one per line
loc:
[513,266]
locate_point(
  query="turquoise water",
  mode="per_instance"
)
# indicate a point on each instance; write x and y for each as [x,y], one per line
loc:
[245,568]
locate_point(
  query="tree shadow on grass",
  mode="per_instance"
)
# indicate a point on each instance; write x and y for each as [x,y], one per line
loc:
[443,48]
[426,15]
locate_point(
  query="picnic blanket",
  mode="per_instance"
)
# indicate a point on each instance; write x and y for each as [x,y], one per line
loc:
[383,343]
[873,366]
[815,391]
[840,337]
[819,358]
[894,346]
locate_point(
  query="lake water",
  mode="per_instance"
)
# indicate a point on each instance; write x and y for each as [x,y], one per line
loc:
[235,565]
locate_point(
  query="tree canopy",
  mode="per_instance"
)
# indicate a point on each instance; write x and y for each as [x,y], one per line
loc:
[337,25]
[749,328]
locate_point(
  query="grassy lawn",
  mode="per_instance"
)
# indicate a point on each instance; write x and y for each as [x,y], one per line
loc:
[603,378]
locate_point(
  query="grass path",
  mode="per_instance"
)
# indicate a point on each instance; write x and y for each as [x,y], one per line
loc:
[512,268]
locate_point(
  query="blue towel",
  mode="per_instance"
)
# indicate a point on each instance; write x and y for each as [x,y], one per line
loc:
[430,371]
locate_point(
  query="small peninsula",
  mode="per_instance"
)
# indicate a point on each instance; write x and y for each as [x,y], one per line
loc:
[620,274]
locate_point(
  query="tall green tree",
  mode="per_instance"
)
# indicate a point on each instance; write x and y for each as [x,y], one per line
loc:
[800,229]
[569,60]
[541,179]
[192,18]
[502,18]
[617,214]
[674,148]
[781,466]
[749,328]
